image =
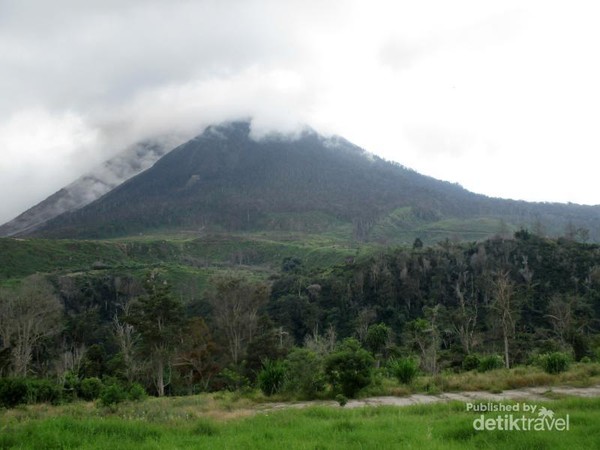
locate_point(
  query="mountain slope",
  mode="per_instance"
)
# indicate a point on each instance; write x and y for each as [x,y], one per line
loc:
[225,180]
[91,186]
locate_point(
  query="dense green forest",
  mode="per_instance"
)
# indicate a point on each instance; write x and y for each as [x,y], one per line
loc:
[447,307]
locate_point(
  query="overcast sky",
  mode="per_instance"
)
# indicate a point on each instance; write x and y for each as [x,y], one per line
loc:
[502,97]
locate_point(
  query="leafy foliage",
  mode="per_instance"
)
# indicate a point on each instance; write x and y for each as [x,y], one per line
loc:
[305,375]
[112,394]
[90,388]
[555,362]
[490,362]
[404,369]
[349,368]
[272,377]
[13,391]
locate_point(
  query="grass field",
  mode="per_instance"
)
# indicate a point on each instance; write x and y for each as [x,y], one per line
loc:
[203,422]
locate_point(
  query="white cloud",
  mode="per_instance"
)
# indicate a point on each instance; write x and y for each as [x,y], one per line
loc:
[40,154]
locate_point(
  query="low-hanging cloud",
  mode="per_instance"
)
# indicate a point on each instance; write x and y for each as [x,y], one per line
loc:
[84,80]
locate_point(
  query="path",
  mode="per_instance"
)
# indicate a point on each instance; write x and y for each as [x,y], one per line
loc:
[533,393]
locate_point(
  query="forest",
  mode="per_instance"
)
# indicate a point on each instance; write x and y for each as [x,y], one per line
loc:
[310,332]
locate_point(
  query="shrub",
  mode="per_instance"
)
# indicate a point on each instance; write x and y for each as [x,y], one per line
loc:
[471,362]
[112,394]
[305,374]
[555,362]
[233,379]
[404,369]
[71,385]
[90,388]
[341,399]
[349,367]
[271,377]
[490,362]
[136,392]
[40,391]
[13,392]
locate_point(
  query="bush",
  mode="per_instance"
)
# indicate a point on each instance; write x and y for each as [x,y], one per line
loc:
[305,374]
[13,392]
[404,369]
[112,394]
[471,362]
[490,362]
[233,379]
[71,385]
[136,392]
[271,377]
[349,367]
[40,391]
[341,399]
[90,388]
[555,362]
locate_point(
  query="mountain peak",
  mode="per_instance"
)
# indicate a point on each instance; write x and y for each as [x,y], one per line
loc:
[226,179]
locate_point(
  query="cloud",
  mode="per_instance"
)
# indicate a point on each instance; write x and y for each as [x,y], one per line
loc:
[40,154]
[416,82]
[84,80]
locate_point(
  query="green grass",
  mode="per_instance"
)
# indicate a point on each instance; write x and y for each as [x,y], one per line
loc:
[21,257]
[438,426]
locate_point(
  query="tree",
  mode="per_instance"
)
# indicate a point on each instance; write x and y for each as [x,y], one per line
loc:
[235,302]
[378,336]
[349,368]
[424,333]
[505,307]
[127,339]
[28,315]
[305,375]
[196,355]
[465,316]
[158,318]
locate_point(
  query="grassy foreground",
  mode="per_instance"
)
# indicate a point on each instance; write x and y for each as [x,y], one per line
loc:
[200,422]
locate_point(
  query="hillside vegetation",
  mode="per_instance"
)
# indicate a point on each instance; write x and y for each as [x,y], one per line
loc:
[237,312]
[224,180]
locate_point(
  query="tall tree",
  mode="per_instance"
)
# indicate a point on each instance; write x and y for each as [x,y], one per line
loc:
[505,308]
[465,315]
[158,318]
[196,355]
[127,339]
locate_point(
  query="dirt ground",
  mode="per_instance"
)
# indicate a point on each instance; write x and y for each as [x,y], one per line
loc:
[543,393]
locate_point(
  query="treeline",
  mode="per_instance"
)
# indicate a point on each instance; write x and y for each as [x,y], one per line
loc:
[449,307]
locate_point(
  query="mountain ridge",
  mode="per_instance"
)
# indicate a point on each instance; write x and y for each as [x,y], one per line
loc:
[91,186]
[225,180]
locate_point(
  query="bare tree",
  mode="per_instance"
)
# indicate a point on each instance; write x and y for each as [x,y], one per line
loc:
[505,306]
[127,339]
[69,360]
[466,315]
[28,315]
[365,317]
[236,301]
